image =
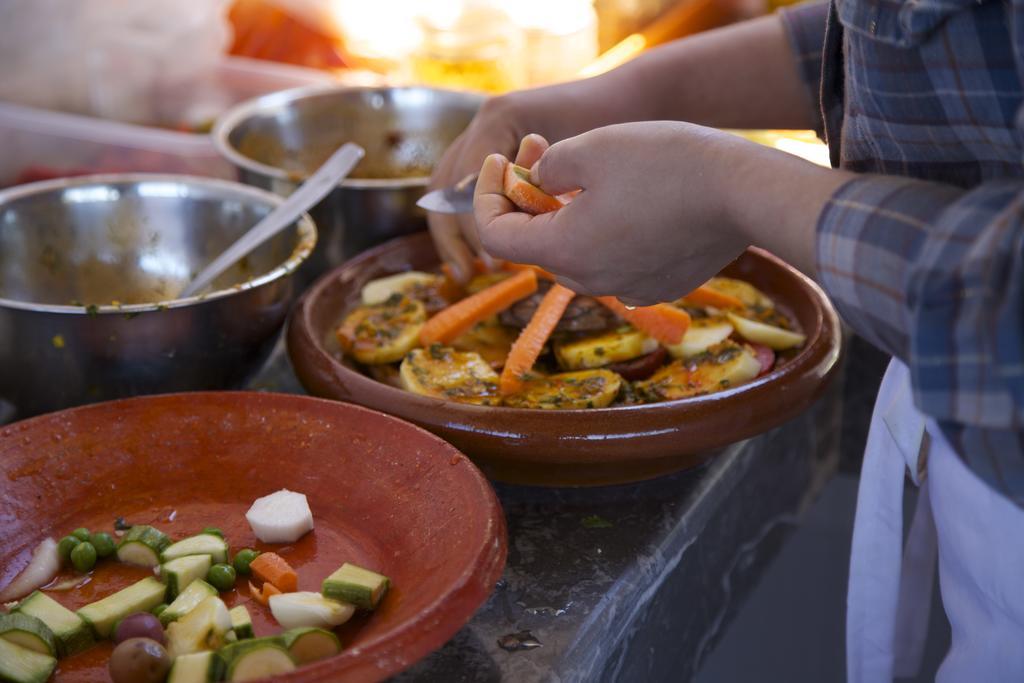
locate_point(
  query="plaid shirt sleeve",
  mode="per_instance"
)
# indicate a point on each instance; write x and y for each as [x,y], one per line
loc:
[935,275]
[805,27]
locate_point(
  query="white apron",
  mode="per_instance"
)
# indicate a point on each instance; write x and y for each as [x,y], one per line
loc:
[977,534]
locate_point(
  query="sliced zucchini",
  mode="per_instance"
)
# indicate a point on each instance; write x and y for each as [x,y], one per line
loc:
[622,344]
[702,334]
[305,608]
[196,592]
[361,587]
[28,632]
[383,333]
[248,660]
[380,290]
[141,596]
[307,645]
[22,665]
[142,546]
[73,634]
[568,391]
[198,667]
[200,544]
[442,372]
[490,339]
[760,333]
[720,367]
[180,573]
[205,627]
[241,622]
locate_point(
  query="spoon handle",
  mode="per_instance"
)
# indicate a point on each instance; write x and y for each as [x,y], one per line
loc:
[312,190]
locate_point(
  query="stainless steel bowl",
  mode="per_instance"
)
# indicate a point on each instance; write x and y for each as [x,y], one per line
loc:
[89,271]
[276,140]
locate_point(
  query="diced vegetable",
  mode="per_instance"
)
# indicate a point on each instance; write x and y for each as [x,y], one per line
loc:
[41,569]
[747,294]
[568,391]
[524,194]
[263,595]
[709,296]
[596,351]
[139,660]
[664,322]
[305,608]
[200,544]
[307,645]
[242,560]
[383,333]
[196,592]
[180,573]
[531,340]
[158,610]
[354,584]
[73,634]
[720,367]
[204,628]
[103,543]
[139,625]
[281,517]
[142,546]
[65,546]
[241,622]
[247,660]
[454,321]
[198,667]
[215,531]
[21,665]
[141,596]
[702,335]
[441,372]
[773,337]
[221,577]
[28,632]
[83,557]
[380,290]
[272,568]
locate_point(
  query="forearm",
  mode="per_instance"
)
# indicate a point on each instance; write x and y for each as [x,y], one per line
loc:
[741,76]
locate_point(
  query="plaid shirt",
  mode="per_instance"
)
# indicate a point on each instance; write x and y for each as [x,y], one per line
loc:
[923,254]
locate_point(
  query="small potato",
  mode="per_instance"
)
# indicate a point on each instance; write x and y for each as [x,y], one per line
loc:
[442,372]
[622,344]
[722,366]
[568,391]
[702,334]
[383,333]
[139,660]
[490,339]
[750,295]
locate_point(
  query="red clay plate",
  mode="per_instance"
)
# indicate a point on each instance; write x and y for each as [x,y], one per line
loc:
[573,447]
[384,494]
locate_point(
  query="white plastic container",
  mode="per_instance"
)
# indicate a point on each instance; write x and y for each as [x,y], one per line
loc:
[38,143]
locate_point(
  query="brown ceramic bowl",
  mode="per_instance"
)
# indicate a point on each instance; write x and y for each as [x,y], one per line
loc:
[384,494]
[573,447]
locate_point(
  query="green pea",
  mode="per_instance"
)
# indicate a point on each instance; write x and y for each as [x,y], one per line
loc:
[64,548]
[221,577]
[104,544]
[213,530]
[84,557]
[159,609]
[243,558]
[81,533]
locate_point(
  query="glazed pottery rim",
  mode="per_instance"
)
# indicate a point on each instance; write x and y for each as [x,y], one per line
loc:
[487,564]
[807,355]
[231,119]
[305,242]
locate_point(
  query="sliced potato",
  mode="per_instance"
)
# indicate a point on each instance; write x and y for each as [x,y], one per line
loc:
[702,334]
[382,333]
[622,344]
[760,333]
[485,280]
[744,291]
[490,339]
[442,372]
[376,292]
[722,366]
[568,390]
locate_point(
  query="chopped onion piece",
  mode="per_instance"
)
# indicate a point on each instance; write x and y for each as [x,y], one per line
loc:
[40,571]
[281,517]
[297,610]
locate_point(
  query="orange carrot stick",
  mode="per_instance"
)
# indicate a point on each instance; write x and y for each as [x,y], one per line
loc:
[263,596]
[448,324]
[663,322]
[272,568]
[524,194]
[516,267]
[530,342]
[705,296]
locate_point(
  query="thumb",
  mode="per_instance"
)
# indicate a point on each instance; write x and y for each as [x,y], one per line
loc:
[561,168]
